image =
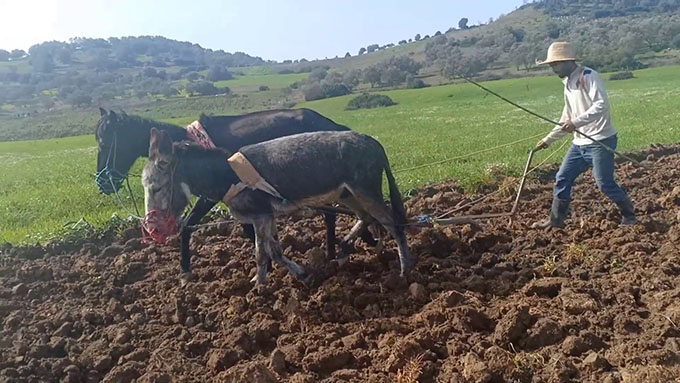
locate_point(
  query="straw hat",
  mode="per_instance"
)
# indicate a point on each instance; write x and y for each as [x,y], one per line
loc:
[559,51]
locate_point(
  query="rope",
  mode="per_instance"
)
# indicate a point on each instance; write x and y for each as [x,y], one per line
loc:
[468,154]
[607,147]
[134,202]
[122,205]
[478,200]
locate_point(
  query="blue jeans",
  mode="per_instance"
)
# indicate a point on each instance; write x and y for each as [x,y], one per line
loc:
[579,159]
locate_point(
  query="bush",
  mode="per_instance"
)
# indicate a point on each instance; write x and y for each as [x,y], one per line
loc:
[368,101]
[334,90]
[205,88]
[676,41]
[621,76]
[318,91]
[262,88]
[415,83]
[218,73]
[313,92]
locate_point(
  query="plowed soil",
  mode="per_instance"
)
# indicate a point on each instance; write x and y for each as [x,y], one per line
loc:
[592,303]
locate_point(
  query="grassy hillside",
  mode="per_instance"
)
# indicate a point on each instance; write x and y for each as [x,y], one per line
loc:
[47,184]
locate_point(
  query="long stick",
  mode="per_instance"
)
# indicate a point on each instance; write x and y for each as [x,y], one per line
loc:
[551,121]
[522,182]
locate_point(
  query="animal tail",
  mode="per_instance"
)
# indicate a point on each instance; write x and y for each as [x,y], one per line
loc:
[398,211]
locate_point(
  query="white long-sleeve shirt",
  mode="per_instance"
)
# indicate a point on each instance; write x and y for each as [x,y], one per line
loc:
[587,106]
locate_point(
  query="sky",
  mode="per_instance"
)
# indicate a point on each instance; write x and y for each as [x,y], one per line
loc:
[273,30]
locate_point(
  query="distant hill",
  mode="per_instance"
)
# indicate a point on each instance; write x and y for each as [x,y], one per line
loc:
[606,8]
[54,78]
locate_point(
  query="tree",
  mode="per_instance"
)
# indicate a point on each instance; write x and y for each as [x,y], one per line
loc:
[392,76]
[65,55]
[417,37]
[204,88]
[17,54]
[437,33]
[218,73]
[372,75]
[80,98]
[362,51]
[313,92]
[42,62]
[372,48]
[402,42]
[351,78]
[4,55]
[318,74]
[347,55]
[463,23]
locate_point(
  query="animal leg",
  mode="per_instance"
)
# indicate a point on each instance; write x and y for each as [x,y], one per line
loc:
[329,218]
[376,208]
[265,228]
[249,233]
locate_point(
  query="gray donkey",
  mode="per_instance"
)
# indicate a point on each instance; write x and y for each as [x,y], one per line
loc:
[303,170]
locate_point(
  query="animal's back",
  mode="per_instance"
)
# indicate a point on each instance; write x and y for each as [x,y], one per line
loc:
[302,161]
[234,132]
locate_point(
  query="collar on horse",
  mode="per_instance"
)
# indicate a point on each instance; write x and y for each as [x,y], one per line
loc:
[249,177]
[244,170]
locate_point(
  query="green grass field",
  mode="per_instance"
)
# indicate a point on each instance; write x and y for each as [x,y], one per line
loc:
[251,83]
[49,183]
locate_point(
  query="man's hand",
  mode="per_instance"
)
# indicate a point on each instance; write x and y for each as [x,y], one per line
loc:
[540,145]
[568,126]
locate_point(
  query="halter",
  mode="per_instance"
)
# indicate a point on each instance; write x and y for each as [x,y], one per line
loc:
[112,176]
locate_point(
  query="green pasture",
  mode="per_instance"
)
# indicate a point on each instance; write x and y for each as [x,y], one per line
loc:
[47,184]
[252,83]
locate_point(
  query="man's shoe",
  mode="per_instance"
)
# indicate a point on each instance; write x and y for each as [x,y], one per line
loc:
[627,212]
[558,214]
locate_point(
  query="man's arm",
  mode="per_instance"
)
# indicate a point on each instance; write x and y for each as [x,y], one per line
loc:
[558,131]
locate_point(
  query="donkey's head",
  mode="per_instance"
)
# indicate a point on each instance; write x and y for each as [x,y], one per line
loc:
[119,143]
[165,197]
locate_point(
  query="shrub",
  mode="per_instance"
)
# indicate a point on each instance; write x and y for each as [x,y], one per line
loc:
[262,88]
[313,92]
[367,101]
[415,83]
[218,73]
[334,90]
[621,76]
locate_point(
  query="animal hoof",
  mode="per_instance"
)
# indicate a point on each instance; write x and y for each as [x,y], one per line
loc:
[308,280]
[342,261]
[186,278]
[407,266]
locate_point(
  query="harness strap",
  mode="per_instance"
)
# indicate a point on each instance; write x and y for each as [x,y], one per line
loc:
[249,177]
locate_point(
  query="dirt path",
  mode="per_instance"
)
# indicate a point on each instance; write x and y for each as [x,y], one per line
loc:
[596,303]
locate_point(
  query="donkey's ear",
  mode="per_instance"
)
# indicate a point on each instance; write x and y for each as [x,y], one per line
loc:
[165,145]
[159,143]
[154,141]
[103,112]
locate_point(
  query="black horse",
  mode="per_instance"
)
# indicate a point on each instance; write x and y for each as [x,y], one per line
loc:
[122,139]
[309,169]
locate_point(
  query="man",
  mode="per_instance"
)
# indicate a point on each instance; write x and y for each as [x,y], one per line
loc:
[586,110]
